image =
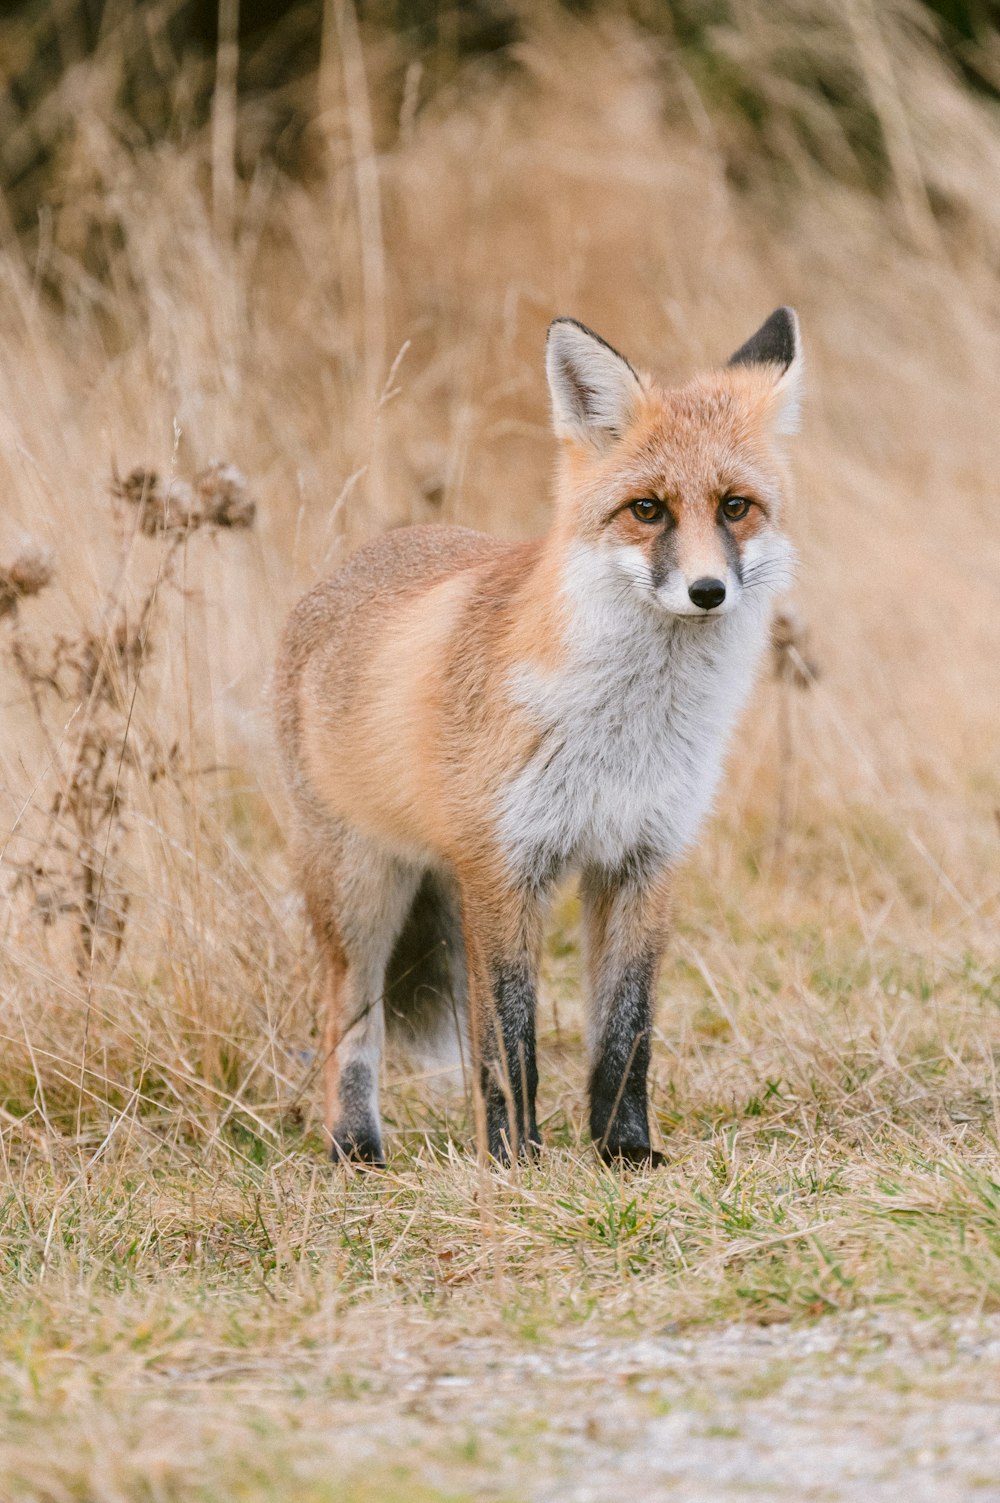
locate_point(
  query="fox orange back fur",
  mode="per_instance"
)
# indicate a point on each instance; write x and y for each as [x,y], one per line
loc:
[463,720]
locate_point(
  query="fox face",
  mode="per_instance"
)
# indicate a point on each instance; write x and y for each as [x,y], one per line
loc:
[676,494]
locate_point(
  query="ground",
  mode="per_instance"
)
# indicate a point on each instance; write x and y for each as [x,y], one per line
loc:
[803,1303]
[853,1408]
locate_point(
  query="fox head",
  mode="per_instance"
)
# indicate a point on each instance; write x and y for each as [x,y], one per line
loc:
[676,493]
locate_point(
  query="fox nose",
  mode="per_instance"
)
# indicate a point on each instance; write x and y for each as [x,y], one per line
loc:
[707,592]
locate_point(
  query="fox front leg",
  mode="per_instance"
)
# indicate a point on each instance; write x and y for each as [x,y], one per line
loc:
[626,917]
[502,934]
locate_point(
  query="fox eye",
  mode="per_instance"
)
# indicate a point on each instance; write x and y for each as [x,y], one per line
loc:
[647,510]
[734,508]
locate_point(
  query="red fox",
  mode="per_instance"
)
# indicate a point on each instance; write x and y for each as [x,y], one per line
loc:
[463,720]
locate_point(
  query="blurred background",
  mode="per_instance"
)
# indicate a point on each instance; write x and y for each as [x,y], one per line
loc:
[322,242]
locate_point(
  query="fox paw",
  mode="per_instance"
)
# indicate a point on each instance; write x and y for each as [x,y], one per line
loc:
[633,1155]
[361,1152]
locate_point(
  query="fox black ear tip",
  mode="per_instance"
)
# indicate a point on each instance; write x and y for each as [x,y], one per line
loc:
[783,320]
[776,342]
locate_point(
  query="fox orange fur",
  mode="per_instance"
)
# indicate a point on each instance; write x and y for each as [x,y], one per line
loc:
[462,720]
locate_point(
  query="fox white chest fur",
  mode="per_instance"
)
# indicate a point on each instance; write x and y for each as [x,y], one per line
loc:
[633,726]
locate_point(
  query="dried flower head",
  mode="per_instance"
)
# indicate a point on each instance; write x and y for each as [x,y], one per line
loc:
[27,574]
[222,491]
[163,505]
[218,497]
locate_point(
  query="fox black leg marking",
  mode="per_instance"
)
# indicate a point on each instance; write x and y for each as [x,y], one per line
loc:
[619,1120]
[509,1071]
[502,926]
[357,1138]
[626,919]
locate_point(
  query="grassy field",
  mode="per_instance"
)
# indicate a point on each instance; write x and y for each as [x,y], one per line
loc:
[195,1304]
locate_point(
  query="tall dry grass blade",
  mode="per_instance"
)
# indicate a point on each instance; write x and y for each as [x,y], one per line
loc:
[224,121]
[876,66]
[340,21]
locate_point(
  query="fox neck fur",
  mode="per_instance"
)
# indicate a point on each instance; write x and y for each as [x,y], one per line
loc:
[633,725]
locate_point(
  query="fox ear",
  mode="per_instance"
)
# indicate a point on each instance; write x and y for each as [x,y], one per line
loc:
[594,389]
[777,345]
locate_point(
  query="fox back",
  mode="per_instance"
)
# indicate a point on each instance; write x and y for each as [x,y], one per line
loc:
[463,720]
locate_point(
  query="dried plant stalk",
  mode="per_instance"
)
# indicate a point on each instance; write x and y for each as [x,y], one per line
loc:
[794,670]
[78,869]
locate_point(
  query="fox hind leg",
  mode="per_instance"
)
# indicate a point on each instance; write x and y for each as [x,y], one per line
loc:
[358,897]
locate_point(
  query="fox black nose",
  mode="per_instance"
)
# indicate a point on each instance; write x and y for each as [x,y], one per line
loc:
[707,592]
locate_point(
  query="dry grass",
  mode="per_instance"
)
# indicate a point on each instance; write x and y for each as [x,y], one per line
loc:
[366,346]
